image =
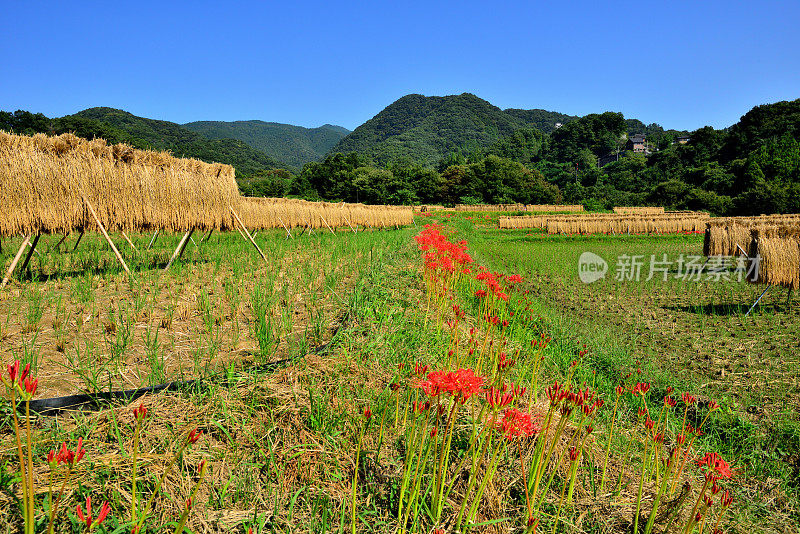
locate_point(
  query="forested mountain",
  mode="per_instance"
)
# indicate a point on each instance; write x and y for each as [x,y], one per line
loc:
[424,129]
[292,145]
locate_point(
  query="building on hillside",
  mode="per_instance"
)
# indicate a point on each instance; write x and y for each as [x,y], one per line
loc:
[638,144]
[682,140]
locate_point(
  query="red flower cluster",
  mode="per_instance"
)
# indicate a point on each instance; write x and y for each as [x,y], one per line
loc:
[92,523]
[715,467]
[66,456]
[461,384]
[516,424]
[441,253]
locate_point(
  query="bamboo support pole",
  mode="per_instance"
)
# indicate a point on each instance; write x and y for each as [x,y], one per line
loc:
[208,236]
[180,248]
[350,225]
[153,240]
[61,241]
[14,262]
[30,252]
[326,224]
[105,234]
[128,239]
[284,227]
[78,242]
[253,241]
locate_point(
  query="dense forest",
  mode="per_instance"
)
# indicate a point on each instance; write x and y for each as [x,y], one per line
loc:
[461,149]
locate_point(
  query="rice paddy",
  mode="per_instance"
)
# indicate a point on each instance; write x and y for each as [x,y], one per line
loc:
[314,363]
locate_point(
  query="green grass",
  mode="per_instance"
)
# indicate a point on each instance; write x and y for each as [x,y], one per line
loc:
[281,440]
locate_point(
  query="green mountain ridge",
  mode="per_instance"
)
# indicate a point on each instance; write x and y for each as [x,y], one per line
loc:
[426,129]
[293,145]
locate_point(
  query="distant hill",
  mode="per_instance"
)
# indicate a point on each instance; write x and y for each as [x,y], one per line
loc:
[182,142]
[425,129]
[293,145]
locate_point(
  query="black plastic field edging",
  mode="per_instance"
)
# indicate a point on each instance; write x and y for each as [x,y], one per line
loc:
[95,401]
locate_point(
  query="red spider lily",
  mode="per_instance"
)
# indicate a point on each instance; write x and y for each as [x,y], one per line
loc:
[648,423]
[555,393]
[589,429]
[504,362]
[461,384]
[13,372]
[367,413]
[689,399]
[87,518]
[726,499]
[516,424]
[712,405]
[194,435]
[394,386]
[670,389]
[420,369]
[641,388]
[669,401]
[514,279]
[715,467]
[620,390]
[680,439]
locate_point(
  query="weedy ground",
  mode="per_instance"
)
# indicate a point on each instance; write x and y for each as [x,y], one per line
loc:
[341,312]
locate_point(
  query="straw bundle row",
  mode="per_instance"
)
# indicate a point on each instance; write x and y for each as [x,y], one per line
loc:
[638,210]
[779,250]
[554,207]
[520,207]
[43,181]
[725,236]
[656,224]
[609,223]
[265,213]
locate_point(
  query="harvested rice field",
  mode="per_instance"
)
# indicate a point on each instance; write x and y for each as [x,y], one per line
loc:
[453,377]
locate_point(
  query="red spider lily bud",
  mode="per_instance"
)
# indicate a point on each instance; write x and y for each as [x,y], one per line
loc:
[689,399]
[573,454]
[13,372]
[573,363]
[670,389]
[712,405]
[91,523]
[649,423]
[367,413]
[30,386]
[250,530]
[659,437]
[641,388]
[189,503]
[440,410]
[394,386]
[599,403]
[194,435]
[589,429]
[566,410]
[726,499]
[51,459]
[438,531]
[140,413]
[641,411]
[519,391]
[698,517]
[669,401]
[533,523]
[588,409]
[434,432]
[25,373]
[714,488]
[505,323]
[399,368]
[681,439]
[620,390]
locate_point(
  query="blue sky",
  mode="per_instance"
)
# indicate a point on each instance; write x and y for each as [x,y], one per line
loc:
[680,64]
